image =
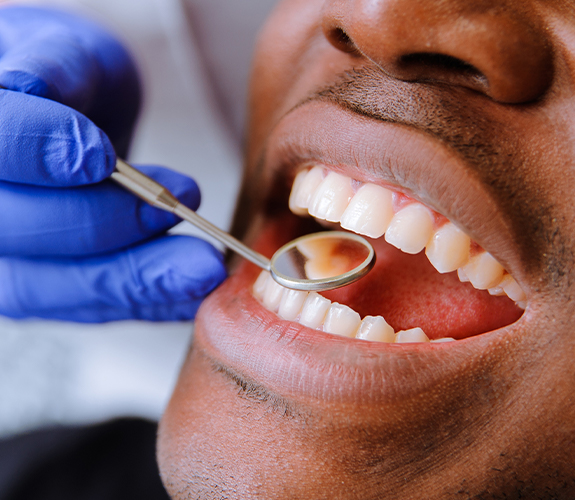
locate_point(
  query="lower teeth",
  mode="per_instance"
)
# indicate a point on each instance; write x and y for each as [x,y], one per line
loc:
[317,312]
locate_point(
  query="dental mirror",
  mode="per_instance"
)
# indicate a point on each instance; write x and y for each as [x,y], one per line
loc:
[315,262]
[322,261]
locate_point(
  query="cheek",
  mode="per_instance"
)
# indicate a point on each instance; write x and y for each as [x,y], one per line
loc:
[282,46]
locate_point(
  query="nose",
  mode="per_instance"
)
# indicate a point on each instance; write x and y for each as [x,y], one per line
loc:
[492,46]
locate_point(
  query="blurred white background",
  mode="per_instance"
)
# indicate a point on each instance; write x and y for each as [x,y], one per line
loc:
[194,61]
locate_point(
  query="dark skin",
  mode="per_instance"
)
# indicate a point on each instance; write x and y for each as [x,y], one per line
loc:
[468,108]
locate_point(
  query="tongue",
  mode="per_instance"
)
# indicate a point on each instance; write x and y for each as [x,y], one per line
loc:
[408,292]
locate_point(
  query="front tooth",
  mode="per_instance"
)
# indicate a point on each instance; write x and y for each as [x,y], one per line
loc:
[448,248]
[331,197]
[341,320]
[260,284]
[304,186]
[376,329]
[291,304]
[410,229]
[483,271]
[444,339]
[412,335]
[369,212]
[294,196]
[314,310]
[272,295]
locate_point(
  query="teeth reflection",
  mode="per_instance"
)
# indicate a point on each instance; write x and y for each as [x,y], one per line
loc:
[341,320]
[291,304]
[314,310]
[410,336]
[322,262]
[369,212]
[331,197]
[448,248]
[376,329]
[410,229]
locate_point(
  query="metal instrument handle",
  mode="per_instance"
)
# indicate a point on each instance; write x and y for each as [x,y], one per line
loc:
[159,196]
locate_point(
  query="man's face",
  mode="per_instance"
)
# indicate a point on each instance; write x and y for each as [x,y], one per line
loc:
[463,112]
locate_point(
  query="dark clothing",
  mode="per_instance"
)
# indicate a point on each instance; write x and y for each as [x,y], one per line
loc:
[115,460]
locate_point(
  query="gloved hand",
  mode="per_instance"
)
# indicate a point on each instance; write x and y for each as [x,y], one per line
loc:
[73,245]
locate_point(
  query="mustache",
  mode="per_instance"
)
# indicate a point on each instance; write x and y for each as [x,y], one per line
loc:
[431,108]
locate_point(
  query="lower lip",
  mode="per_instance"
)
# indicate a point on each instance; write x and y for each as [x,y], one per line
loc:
[295,362]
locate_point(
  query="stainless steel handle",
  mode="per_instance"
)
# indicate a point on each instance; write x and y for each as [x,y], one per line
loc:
[159,196]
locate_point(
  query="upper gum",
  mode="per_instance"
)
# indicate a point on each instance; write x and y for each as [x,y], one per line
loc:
[400,199]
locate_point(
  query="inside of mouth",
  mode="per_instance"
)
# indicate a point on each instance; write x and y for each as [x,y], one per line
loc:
[404,288]
[409,293]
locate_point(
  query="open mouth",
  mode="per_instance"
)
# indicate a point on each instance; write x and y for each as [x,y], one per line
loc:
[431,282]
[378,338]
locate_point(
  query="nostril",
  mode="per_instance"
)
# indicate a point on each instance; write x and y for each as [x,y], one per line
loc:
[435,66]
[439,61]
[341,40]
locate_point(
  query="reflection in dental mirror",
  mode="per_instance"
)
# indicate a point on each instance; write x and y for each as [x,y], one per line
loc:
[322,261]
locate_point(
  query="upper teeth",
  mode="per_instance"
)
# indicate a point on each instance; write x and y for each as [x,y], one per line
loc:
[369,209]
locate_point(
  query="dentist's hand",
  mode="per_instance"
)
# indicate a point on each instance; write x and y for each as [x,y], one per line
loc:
[73,245]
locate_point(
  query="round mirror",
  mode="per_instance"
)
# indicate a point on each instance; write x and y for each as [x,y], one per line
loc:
[322,261]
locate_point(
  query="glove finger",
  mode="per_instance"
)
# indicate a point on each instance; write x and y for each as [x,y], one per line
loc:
[73,61]
[54,65]
[85,220]
[45,143]
[162,280]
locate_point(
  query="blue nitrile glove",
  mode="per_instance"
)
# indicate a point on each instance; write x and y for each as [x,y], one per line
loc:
[73,245]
